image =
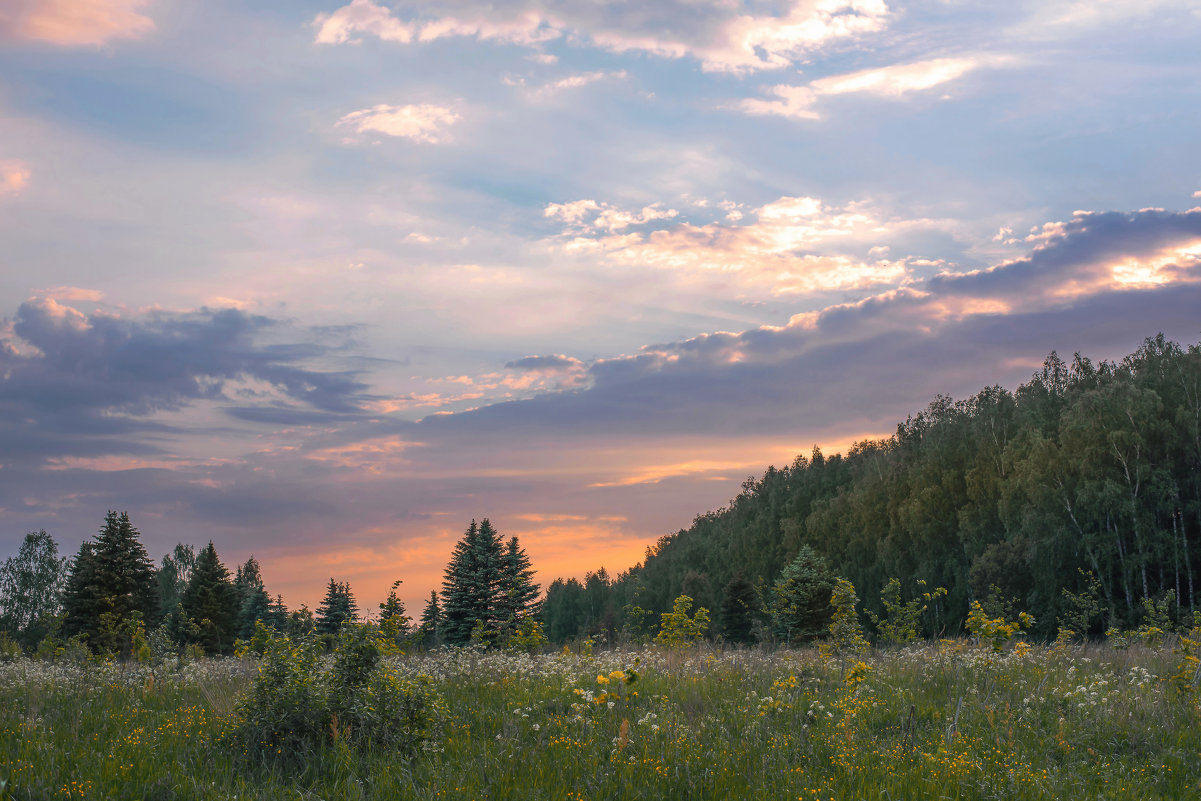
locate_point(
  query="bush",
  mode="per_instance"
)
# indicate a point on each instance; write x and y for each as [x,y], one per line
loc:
[296,706]
[677,630]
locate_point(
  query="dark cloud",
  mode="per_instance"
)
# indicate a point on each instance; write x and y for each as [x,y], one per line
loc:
[545,364]
[1079,248]
[880,359]
[79,384]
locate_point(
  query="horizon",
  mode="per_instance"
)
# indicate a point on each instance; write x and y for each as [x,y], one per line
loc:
[324,283]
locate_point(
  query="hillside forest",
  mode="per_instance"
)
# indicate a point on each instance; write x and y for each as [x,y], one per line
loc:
[1075,498]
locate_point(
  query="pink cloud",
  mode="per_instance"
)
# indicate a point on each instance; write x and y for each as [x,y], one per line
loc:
[14,177]
[421,123]
[715,34]
[74,22]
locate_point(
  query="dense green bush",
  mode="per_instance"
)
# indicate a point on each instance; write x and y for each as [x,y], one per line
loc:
[300,701]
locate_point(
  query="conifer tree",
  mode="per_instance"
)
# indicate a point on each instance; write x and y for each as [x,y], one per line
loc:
[519,593]
[173,574]
[337,608]
[393,608]
[737,610]
[210,604]
[254,603]
[801,598]
[112,583]
[471,591]
[81,597]
[431,621]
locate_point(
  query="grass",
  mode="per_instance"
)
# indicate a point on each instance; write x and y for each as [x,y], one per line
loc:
[943,720]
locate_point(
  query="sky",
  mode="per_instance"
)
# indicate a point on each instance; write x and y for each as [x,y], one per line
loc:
[322,282]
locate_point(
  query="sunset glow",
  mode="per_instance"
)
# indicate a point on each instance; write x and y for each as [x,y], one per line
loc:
[325,281]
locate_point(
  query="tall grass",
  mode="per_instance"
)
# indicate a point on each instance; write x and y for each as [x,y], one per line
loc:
[942,720]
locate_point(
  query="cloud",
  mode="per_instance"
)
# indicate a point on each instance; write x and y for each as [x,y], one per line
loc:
[715,33]
[73,383]
[14,177]
[421,123]
[1099,280]
[74,23]
[793,245]
[575,81]
[894,82]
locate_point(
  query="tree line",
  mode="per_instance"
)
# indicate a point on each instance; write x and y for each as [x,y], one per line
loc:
[1081,489]
[111,598]
[1076,498]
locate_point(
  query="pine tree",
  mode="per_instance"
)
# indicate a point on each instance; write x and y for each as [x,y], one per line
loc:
[31,585]
[81,596]
[393,607]
[210,604]
[472,587]
[337,608]
[801,598]
[737,611]
[112,584]
[519,593]
[173,574]
[254,604]
[431,621]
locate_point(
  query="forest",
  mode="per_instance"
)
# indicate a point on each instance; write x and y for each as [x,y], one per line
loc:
[1076,496]
[1075,499]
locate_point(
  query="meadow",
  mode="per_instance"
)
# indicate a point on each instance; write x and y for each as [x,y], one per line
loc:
[938,720]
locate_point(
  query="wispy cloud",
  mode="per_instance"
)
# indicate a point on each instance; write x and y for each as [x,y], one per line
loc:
[794,245]
[716,34]
[896,81]
[74,23]
[421,123]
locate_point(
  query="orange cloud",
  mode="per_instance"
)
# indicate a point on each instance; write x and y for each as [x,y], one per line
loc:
[75,23]
[14,177]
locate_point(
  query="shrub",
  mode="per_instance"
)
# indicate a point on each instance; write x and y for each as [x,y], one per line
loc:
[296,706]
[680,631]
[995,631]
[900,623]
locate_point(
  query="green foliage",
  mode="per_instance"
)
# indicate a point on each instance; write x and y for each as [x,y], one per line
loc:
[294,707]
[31,585]
[1081,610]
[738,611]
[901,622]
[800,599]
[845,631]
[337,608]
[995,631]
[210,605]
[471,590]
[527,636]
[1085,467]
[111,578]
[677,629]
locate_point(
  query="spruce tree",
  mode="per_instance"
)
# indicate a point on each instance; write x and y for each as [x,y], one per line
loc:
[519,593]
[471,591]
[254,604]
[173,574]
[112,583]
[801,598]
[429,630]
[81,596]
[337,608]
[393,607]
[737,611]
[210,604]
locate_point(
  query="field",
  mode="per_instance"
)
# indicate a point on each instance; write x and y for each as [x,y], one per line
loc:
[940,720]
